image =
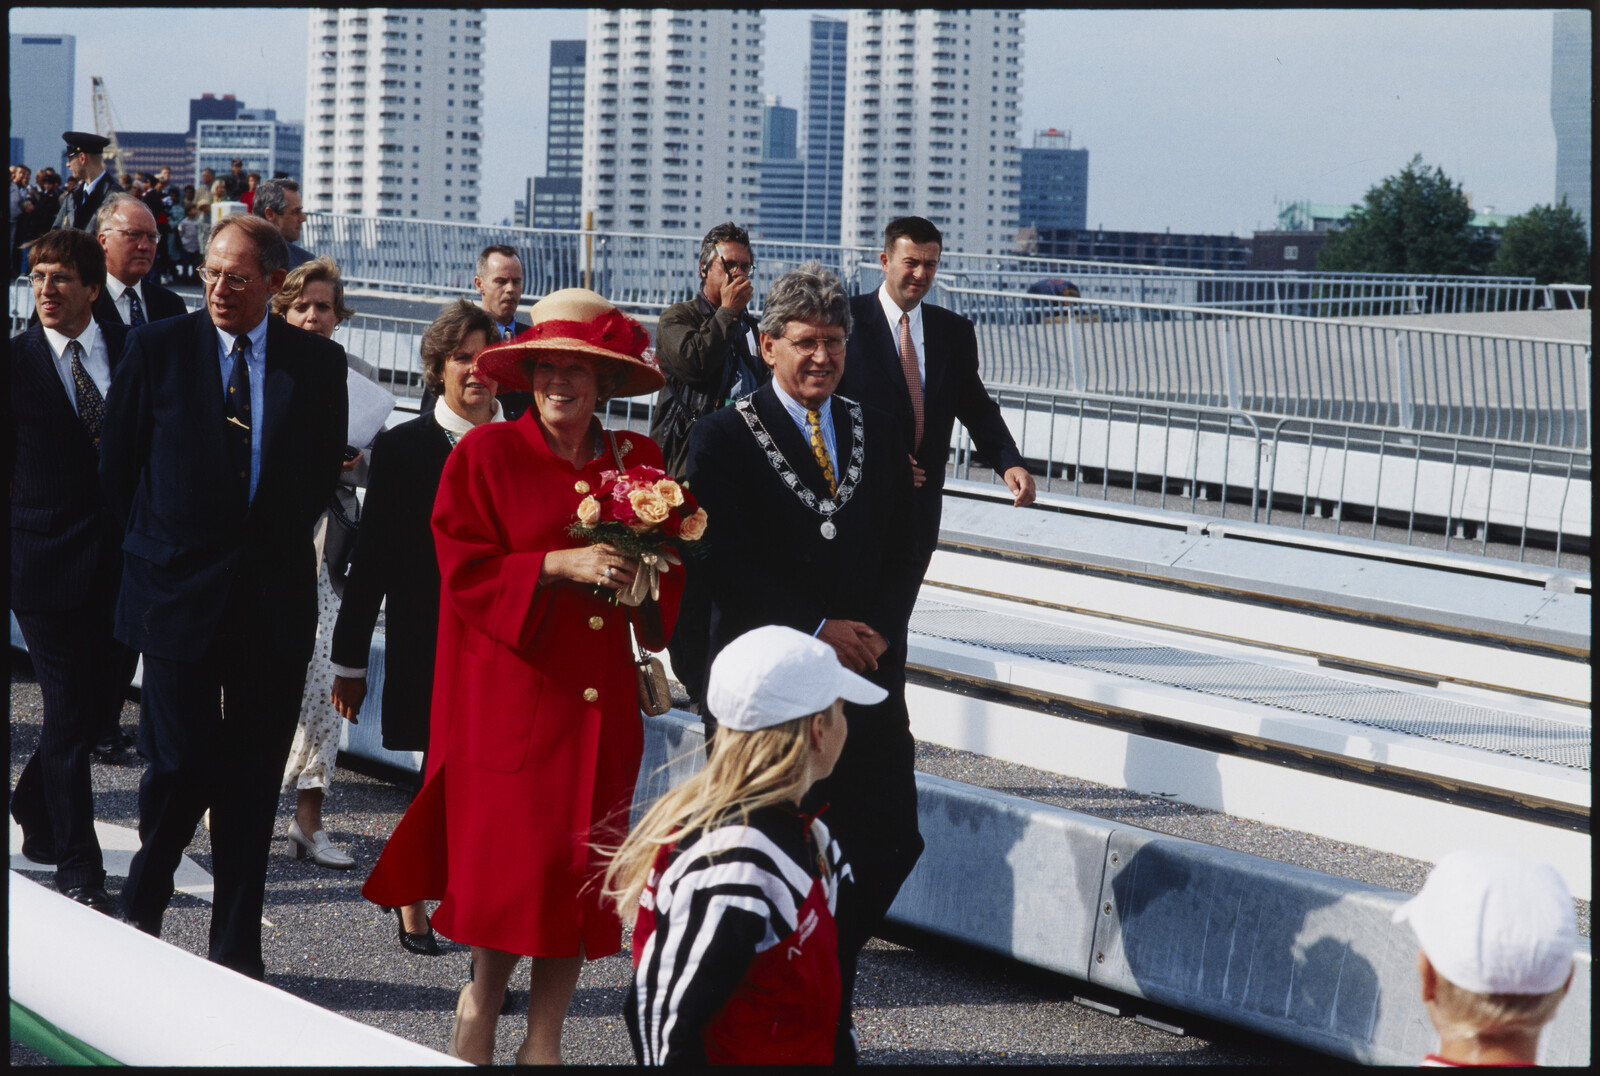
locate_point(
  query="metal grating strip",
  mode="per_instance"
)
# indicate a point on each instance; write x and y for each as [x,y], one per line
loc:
[1500,731]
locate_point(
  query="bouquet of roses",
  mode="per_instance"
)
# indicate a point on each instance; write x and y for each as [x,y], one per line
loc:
[645,514]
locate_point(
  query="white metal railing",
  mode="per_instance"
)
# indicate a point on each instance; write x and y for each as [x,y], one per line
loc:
[1495,498]
[1496,386]
[661,269]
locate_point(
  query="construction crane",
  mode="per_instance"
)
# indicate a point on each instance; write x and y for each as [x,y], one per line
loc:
[102,120]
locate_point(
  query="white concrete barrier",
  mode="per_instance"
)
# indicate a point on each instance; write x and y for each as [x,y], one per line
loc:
[92,981]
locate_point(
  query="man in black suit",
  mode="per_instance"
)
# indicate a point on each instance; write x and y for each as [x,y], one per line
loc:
[66,560]
[88,167]
[498,278]
[277,201]
[808,499]
[128,234]
[224,439]
[898,340]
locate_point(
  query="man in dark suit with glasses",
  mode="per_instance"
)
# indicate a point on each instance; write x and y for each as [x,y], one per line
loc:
[224,439]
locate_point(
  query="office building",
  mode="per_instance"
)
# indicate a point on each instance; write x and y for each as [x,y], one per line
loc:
[150,151]
[1571,109]
[1145,248]
[778,128]
[822,120]
[258,138]
[555,198]
[781,204]
[211,107]
[1054,191]
[41,97]
[672,119]
[931,124]
[394,112]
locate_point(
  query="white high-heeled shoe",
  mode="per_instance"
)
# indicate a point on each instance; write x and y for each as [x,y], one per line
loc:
[318,847]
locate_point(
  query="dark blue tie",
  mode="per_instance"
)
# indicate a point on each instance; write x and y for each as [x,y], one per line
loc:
[136,316]
[237,413]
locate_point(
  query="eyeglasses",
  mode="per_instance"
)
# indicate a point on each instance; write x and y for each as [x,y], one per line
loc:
[60,280]
[231,281]
[744,267]
[807,345]
[134,236]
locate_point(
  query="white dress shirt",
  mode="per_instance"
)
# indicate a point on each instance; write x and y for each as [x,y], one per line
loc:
[119,295]
[892,311]
[96,360]
[797,411]
[256,360]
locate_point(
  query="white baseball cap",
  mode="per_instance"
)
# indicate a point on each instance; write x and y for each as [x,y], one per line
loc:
[775,674]
[1495,923]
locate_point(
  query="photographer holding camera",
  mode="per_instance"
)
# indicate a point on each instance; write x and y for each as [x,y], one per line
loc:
[708,352]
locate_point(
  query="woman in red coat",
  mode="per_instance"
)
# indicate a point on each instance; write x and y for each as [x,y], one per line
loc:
[535,726]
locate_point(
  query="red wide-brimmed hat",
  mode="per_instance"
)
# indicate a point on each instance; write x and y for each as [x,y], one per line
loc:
[577,321]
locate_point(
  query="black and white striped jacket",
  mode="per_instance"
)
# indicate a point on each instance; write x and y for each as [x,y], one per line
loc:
[725,895]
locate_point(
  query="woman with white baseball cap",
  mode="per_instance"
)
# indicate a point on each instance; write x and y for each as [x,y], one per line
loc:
[1497,933]
[735,951]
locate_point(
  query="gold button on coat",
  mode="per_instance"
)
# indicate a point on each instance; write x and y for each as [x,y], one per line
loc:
[597,623]
[590,694]
[581,486]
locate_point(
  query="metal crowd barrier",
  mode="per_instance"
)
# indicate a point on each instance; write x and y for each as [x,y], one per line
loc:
[648,268]
[1495,498]
[1293,953]
[1475,384]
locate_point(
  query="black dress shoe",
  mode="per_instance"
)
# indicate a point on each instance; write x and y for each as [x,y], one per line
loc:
[38,850]
[109,749]
[92,896]
[424,944]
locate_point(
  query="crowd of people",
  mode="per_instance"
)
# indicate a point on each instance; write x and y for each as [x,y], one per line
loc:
[183,213]
[195,503]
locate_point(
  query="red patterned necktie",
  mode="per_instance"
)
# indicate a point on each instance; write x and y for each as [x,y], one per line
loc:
[908,366]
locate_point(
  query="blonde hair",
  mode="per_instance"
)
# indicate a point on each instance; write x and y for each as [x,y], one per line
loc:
[1461,1014]
[746,771]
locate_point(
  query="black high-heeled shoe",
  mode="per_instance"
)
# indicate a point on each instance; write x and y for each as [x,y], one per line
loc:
[422,944]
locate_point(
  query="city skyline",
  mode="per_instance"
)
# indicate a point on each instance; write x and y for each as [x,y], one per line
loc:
[1198,120]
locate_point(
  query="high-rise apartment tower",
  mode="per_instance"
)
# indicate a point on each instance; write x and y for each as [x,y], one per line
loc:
[393,112]
[931,124]
[822,121]
[672,119]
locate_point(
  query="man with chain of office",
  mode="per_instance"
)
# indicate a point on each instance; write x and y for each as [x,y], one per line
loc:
[810,498]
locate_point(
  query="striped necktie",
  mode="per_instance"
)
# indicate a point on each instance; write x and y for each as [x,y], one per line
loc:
[136,316]
[91,407]
[819,449]
[908,366]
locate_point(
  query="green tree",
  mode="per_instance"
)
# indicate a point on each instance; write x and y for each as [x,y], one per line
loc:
[1413,222]
[1546,243]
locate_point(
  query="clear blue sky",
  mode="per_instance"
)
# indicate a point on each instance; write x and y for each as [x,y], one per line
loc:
[1195,120]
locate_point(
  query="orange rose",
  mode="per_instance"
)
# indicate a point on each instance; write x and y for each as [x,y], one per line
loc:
[588,511]
[648,506]
[670,492]
[694,526]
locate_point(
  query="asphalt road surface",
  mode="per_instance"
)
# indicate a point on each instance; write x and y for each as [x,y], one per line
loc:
[919,1000]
